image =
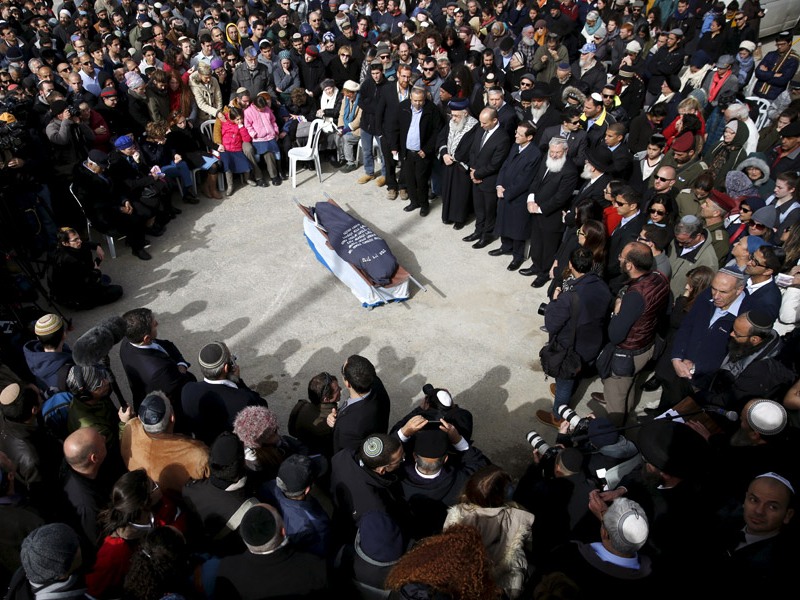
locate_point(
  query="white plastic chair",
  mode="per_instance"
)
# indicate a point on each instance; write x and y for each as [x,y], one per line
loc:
[308,152]
[763,108]
[112,250]
[207,129]
[376,151]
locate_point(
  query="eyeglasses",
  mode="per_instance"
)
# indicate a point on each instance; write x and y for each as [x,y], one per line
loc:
[744,209]
[64,70]
[619,203]
[755,225]
[428,68]
[525,84]
[660,178]
[642,239]
[578,122]
[608,95]
[86,63]
[580,232]
[755,261]
[655,211]
[384,56]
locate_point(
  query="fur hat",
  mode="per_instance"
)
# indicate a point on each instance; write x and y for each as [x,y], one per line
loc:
[758,161]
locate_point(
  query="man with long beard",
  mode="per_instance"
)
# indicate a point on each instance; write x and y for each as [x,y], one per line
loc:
[543,113]
[455,141]
[750,369]
[550,192]
[590,70]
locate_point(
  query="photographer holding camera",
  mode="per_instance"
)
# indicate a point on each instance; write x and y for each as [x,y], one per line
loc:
[576,317]
[69,145]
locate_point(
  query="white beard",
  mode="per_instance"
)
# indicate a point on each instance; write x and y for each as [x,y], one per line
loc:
[585,63]
[528,41]
[554,165]
[587,172]
[536,113]
[457,127]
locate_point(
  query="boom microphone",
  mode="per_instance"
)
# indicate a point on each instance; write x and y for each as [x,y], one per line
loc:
[728,414]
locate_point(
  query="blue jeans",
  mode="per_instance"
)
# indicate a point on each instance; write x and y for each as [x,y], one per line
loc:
[564,389]
[182,171]
[366,153]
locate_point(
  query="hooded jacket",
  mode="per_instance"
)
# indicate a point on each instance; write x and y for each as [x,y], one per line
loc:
[49,368]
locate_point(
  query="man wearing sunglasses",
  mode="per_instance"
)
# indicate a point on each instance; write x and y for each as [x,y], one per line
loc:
[571,131]
[691,248]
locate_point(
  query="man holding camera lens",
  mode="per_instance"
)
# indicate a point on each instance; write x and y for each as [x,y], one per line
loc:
[584,328]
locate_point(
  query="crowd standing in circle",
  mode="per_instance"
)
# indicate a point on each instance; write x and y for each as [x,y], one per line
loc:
[612,144]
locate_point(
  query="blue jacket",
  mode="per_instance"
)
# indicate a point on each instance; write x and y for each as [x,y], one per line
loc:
[769,85]
[704,345]
[49,368]
[767,298]
[595,300]
[307,524]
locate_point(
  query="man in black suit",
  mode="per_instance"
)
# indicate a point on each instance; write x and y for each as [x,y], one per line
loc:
[418,124]
[596,172]
[621,157]
[550,193]
[570,130]
[367,409]
[513,218]
[489,150]
[505,112]
[628,204]
[152,364]
[210,406]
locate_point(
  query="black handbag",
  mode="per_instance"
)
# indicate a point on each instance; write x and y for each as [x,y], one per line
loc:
[563,362]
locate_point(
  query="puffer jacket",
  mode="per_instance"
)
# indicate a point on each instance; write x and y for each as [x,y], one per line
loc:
[261,125]
[233,136]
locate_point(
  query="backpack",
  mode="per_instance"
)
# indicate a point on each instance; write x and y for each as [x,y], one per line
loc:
[54,413]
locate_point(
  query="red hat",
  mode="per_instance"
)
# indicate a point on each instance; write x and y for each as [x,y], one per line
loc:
[722,200]
[312,51]
[684,142]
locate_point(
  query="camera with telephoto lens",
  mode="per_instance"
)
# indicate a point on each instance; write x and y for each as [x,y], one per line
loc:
[74,111]
[547,453]
[578,426]
[542,308]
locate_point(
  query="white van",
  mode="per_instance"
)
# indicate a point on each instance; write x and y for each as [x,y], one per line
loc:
[781,15]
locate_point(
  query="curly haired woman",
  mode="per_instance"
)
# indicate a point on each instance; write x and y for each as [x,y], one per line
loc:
[453,565]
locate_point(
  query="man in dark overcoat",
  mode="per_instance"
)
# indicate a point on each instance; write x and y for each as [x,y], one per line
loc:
[513,219]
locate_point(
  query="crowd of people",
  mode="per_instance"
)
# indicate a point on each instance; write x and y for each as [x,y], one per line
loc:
[611,144]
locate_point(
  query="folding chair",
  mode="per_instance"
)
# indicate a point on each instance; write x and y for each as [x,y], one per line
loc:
[207,129]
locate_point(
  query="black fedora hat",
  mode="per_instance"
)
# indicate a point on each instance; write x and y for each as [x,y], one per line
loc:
[541,90]
[601,158]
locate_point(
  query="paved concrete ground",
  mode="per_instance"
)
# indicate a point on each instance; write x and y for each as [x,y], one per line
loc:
[240,270]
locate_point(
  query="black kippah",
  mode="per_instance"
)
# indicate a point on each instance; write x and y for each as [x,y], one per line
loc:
[258,526]
[760,319]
